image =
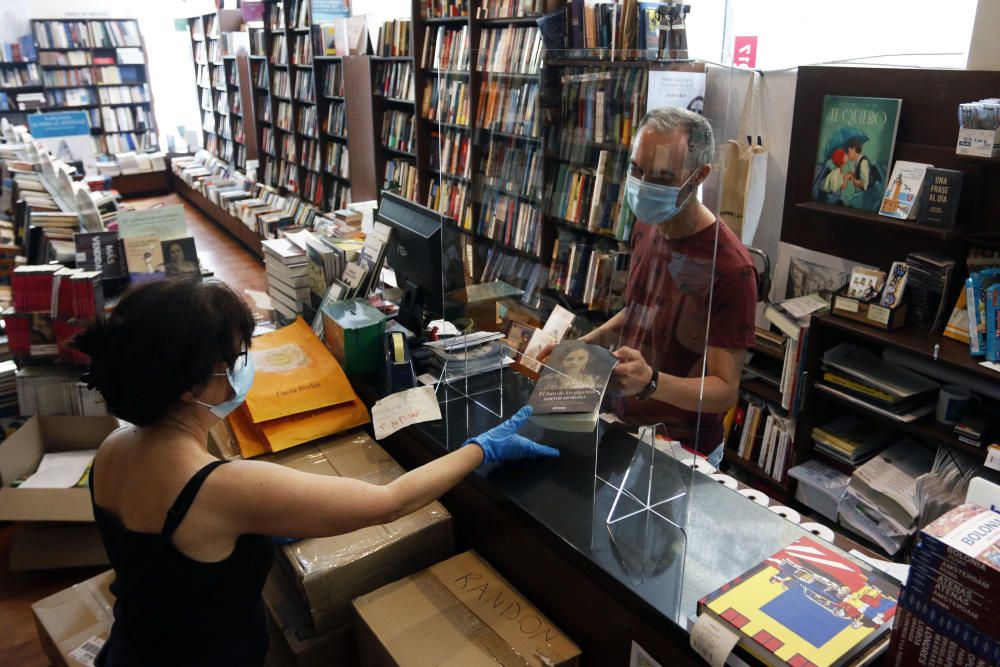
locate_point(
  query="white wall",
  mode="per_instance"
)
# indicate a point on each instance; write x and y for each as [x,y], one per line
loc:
[378,11]
[984,51]
[171,70]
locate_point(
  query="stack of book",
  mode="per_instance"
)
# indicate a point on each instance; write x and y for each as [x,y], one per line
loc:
[463,356]
[807,604]
[287,276]
[927,288]
[855,375]
[394,39]
[851,440]
[8,389]
[56,390]
[949,611]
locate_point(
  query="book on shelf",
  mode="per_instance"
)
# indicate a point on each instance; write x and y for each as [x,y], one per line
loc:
[338,159]
[511,221]
[451,198]
[512,168]
[401,177]
[878,381]
[304,89]
[333,80]
[851,439]
[446,48]
[446,102]
[395,80]
[569,391]
[398,131]
[856,142]
[444,8]
[939,198]
[302,50]
[450,152]
[807,604]
[509,106]
[394,39]
[510,50]
[903,190]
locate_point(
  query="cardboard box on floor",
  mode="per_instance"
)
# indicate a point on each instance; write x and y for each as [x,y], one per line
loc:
[329,572]
[20,454]
[458,613]
[76,620]
[293,642]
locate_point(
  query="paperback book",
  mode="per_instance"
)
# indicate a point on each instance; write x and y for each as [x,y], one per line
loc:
[568,394]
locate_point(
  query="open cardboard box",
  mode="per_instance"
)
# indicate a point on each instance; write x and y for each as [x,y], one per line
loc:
[59,529]
[76,620]
[329,572]
[21,453]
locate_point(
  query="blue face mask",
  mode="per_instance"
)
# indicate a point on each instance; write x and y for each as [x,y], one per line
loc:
[240,380]
[653,203]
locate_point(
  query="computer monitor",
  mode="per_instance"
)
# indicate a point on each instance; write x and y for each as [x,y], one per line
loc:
[414,253]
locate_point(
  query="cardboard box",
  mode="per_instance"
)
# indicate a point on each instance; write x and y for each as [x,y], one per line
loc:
[329,572]
[981,143]
[293,642]
[21,453]
[77,619]
[457,613]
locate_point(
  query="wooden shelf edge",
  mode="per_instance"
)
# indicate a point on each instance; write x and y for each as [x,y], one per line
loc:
[858,215]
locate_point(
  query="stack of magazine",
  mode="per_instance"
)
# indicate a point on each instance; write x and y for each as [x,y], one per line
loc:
[467,355]
[857,376]
[881,502]
[851,440]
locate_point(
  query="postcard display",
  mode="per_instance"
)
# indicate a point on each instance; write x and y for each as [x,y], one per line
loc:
[529,176]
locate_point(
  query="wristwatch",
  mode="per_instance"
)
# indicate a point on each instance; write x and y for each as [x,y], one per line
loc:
[649,389]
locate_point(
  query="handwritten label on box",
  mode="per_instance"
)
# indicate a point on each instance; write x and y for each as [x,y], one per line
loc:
[404,408]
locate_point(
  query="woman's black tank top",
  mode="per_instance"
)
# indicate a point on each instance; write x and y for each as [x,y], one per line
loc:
[173,610]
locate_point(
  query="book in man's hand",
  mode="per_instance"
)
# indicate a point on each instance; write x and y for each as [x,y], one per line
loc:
[568,394]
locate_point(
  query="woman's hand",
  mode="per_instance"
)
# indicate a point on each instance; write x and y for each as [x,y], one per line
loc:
[502,443]
[632,374]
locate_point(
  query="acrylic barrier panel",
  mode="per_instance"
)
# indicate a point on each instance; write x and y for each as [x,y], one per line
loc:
[590,184]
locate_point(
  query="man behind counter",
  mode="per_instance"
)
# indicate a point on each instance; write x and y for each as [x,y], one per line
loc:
[677,304]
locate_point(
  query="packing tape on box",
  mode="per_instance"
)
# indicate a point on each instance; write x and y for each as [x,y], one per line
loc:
[758,497]
[786,513]
[725,480]
[819,530]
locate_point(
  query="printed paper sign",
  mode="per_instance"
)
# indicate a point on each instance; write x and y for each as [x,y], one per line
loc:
[712,640]
[745,51]
[163,222]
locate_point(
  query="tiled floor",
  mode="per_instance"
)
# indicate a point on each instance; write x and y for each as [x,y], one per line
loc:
[19,645]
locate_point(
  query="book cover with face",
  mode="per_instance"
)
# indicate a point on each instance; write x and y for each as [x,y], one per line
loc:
[573,379]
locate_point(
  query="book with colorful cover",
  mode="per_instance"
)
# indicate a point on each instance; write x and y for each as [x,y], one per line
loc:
[856,140]
[806,605]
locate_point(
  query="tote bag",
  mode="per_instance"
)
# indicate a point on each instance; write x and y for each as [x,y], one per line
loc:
[744,169]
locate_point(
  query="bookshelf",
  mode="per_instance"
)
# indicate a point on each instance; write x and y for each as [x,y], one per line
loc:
[99,67]
[401,143]
[19,76]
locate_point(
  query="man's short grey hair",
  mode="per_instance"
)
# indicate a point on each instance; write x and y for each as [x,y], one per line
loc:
[701,139]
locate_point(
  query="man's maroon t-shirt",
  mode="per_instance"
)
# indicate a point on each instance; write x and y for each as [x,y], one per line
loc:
[673,296]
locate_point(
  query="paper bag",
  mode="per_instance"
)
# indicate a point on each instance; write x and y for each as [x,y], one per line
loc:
[744,169]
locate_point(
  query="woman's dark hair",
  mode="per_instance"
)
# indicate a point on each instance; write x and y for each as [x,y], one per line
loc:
[563,350]
[163,338]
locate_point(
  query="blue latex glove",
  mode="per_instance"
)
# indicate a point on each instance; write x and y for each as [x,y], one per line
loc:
[502,443]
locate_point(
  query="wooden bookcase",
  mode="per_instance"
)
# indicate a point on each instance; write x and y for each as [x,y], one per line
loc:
[927,132]
[24,70]
[59,76]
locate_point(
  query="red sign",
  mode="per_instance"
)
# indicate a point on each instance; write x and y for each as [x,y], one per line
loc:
[745,51]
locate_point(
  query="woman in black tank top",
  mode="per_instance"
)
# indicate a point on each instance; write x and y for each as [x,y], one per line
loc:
[187,535]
